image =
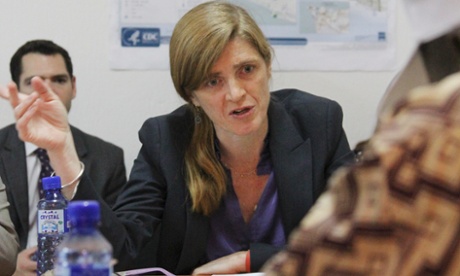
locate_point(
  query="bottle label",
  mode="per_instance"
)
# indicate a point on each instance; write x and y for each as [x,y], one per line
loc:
[52,221]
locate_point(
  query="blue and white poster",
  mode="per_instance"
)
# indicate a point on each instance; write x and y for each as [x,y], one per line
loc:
[319,35]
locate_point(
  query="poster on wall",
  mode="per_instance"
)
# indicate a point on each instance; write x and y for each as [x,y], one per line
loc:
[306,35]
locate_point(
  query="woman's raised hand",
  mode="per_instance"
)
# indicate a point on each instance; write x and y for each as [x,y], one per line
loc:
[41,118]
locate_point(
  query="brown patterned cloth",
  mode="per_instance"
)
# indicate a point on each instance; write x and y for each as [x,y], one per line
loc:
[398,211]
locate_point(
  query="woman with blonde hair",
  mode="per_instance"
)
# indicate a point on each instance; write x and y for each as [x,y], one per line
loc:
[224,179]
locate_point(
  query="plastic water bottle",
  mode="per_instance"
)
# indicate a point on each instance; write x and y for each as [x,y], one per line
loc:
[84,251]
[51,223]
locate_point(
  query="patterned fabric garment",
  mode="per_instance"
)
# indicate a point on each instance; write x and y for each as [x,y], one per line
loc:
[397,212]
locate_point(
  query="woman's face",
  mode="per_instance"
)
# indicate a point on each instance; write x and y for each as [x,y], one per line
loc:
[236,94]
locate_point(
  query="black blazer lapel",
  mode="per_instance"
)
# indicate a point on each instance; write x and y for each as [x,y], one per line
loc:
[80,146]
[288,149]
[12,156]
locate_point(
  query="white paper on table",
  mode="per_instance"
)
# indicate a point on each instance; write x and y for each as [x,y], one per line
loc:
[245,274]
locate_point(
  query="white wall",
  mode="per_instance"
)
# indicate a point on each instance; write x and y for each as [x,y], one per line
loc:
[114,104]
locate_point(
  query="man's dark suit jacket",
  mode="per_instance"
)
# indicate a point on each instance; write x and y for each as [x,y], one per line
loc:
[104,163]
[307,144]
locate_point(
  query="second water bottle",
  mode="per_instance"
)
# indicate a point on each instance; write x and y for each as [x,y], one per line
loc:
[84,250]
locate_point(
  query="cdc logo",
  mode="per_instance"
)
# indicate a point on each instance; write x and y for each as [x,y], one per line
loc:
[140,37]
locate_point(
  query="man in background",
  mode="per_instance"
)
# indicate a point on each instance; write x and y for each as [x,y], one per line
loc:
[22,163]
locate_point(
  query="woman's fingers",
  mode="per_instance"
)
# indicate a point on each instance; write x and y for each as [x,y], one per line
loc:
[14,95]
[11,93]
[4,93]
[27,105]
[46,94]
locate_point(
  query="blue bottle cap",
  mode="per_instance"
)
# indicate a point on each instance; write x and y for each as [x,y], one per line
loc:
[83,212]
[51,183]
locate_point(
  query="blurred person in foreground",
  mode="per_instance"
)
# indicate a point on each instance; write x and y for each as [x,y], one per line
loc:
[224,178]
[9,246]
[21,167]
[397,212]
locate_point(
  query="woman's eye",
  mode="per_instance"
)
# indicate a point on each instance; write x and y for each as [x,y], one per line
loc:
[248,68]
[213,82]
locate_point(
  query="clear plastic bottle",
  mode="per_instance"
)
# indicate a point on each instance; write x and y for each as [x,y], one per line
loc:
[84,251]
[51,223]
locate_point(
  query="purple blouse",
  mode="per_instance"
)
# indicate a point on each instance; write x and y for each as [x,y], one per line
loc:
[228,231]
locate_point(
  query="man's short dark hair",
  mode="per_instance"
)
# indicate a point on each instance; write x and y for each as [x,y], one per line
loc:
[44,47]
